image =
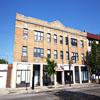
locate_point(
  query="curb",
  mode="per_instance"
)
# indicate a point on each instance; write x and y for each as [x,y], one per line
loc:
[41,90]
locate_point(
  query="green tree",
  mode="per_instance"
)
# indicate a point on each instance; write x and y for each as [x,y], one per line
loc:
[50,67]
[92,57]
[3,61]
[51,64]
[98,61]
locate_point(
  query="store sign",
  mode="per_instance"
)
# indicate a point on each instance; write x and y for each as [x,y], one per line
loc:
[59,68]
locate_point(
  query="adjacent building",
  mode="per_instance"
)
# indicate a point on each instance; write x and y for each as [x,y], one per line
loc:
[90,38]
[35,39]
[5,75]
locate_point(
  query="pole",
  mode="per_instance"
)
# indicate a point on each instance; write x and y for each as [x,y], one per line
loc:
[7,59]
[33,81]
[26,80]
[69,63]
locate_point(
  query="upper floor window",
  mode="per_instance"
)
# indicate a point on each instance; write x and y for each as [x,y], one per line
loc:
[38,52]
[61,39]
[90,42]
[61,54]
[55,38]
[55,54]
[25,33]
[66,40]
[82,45]
[48,37]
[74,56]
[38,35]
[49,53]
[74,42]
[82,56]
[24,51]
[67,55]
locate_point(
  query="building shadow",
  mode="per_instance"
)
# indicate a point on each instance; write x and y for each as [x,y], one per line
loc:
[70,95]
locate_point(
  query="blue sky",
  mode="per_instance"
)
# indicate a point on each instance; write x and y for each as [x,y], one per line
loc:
[77,14]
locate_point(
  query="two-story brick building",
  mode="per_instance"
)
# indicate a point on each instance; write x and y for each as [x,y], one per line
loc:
[34,39]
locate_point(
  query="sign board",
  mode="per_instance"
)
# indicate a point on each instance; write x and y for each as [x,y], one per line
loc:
[59,68]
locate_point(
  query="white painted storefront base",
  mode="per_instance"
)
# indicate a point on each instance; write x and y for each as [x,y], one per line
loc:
[23,66]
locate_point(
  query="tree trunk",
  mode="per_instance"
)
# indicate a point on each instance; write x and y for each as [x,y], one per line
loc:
[90,74]
[98,77]
[95,77]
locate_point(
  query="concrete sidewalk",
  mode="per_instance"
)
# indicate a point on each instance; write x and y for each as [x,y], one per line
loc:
[44,88]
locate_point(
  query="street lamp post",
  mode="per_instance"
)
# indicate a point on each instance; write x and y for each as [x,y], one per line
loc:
[26,78]
[69,63]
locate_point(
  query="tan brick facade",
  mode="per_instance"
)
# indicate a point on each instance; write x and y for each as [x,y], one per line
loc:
[53,28]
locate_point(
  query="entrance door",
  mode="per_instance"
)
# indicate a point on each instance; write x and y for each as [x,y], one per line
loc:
[77,74]
[84,74]
[68,77]
[59,77]
[36,75]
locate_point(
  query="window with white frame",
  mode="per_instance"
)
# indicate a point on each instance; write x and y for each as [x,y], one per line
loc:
[38,35]
[82,45]
[67,55]
[73,42]
[25,33]
[74,56]
[90,42]
[55,38]
[82,56]
[66,40]
[61,54]
[61,39]
[48,37]
[38,52]
[24,51]
[49,53]
[55,54]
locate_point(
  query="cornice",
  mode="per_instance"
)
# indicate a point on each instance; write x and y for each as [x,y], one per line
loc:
[50,27]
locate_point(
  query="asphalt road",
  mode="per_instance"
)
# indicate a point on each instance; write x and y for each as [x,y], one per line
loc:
[88,93]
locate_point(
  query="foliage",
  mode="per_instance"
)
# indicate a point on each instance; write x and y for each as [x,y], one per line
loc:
[98,58]
[51,64]
[3,61]
[92,57]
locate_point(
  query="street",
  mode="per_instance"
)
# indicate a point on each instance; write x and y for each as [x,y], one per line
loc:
[82,93]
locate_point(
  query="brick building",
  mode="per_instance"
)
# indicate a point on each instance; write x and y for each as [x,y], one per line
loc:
[34,39]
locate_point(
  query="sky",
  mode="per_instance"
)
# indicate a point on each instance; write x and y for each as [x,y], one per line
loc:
[77,14]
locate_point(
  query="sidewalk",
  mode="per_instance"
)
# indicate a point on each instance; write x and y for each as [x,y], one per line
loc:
[44,88]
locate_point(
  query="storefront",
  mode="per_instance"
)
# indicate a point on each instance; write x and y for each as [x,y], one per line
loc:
[84,74]
[23,75]
[31,74]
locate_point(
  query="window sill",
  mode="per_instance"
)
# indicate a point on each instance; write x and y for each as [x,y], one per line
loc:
[55,43]
[74,46]
[38,41]
[25,38]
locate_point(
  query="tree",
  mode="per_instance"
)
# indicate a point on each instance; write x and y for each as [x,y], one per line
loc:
[92,58]
[3,61]
[98,61]
[51,64]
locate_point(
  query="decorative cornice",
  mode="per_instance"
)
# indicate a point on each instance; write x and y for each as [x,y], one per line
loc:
[17,19]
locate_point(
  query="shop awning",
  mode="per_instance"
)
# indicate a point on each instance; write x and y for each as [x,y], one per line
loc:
[59,68]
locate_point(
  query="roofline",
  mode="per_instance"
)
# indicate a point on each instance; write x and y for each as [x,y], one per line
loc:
[17,19]
[93,36]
